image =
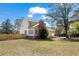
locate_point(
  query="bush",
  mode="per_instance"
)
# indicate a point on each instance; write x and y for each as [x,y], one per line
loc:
[74,35]
[43,34]
[12,36]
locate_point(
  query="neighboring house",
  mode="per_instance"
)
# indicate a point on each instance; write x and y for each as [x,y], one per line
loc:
[30,28]
[51,32]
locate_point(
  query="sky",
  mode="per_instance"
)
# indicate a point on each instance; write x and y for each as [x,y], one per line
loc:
[13,11]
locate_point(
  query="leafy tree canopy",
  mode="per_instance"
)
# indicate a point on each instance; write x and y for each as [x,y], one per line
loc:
[7,27]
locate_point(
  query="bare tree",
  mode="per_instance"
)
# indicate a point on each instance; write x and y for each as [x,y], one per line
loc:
[62,12]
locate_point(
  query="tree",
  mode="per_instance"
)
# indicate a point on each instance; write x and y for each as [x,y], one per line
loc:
[18,23]
[43,34]
[62,12]
[7,27]
[76,14]
[74,27]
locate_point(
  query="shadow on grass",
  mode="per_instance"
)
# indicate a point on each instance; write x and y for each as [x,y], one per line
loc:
[48,39]
[3,39]
[9,39]
[73,40]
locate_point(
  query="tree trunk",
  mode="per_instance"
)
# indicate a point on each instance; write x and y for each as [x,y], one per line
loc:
[66,32]
[66,20]
[66,28]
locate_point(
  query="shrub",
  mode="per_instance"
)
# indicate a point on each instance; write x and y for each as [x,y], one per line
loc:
[12,36]
[74,35]
[43,34]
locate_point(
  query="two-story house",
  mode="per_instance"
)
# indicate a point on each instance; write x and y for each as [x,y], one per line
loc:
[31,28]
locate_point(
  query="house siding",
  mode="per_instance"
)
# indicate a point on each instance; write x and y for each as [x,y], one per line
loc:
[27,27]
[23,27]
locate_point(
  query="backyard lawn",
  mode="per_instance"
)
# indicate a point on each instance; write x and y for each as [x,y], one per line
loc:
[23,47]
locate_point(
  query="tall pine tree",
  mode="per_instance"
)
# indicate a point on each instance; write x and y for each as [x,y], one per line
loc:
[7,27]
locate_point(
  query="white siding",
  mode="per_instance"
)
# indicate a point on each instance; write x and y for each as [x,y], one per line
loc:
[25,30]
[23,27]
[31,32]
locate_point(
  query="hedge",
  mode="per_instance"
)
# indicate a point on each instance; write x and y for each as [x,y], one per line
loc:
[12,36]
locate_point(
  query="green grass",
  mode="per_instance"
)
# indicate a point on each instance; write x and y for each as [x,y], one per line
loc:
[32,47]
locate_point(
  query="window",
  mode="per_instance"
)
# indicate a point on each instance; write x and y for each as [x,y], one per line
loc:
[30,31]
[36,32]
[25,31]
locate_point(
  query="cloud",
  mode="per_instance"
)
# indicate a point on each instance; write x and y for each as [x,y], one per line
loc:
[37,10]
[45,17]
[30,15]
[46,23]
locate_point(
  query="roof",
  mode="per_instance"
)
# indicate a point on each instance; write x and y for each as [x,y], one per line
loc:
[35,25]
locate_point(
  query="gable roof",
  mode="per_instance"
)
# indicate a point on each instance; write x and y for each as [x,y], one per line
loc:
[32,23]
[35,25]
